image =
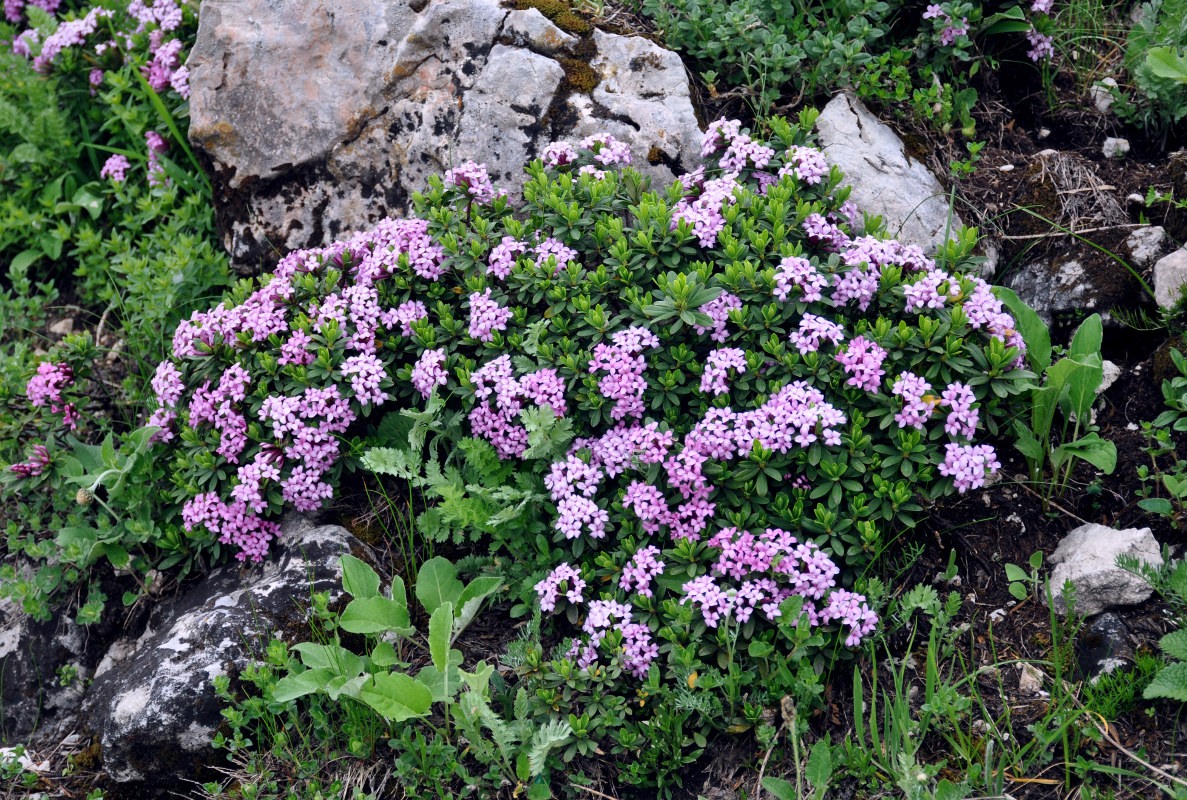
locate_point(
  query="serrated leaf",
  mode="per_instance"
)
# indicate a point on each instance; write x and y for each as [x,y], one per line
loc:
[1170,682]
[1174,644]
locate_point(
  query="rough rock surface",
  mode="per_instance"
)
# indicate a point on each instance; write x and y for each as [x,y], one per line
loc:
[323,118]
[1170,273]
[885,179]
[1058,288]
[33,701]
[1103,646]
[153,707]
[1145,245]
[1087,557]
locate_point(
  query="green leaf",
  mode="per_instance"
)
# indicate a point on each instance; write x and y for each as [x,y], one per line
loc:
[440,628]
[471,599]
[479,680]
[384,655]
[1016,573]
[1018,591]
[780,788]
[443,685]
[1031,326]
[1096,451]
[1157,505]
[345,685]
[372,615]
[23,260]
[1166,63]
[820,766]
[437,583]
[1170,682]
[358,578]
[1088,338]
[396,696]
[329,656]
[1174,644]
[290,687]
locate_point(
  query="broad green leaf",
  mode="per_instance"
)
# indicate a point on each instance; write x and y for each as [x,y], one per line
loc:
[440,630]
[345,685]
[1018,591]
[1174,644]
[329,656]
[396,696]
[780,788]
[1082,385]
[443,685]
[947,790]
[376,615]
[22,260]
[820,766]
[1170,682]
[290,687]
[1166,63]
[1016,573]
[1031,326]
[1088,338]
[471,600]
[1157,505]
[115,553]
[479,680]
[437,583]
[384,655]
[1096,451]
[358,578]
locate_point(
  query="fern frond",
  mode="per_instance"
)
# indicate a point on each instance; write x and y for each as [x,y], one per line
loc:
[548,736]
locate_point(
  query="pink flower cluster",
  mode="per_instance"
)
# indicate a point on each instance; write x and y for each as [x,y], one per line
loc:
[925,292]
[916,406]
[606,149]
[643,567]
[37,463]
[232,523]
[798,272]
[962,417]
[715,378]
[624,367]
[638,647]
[14,9]
[702,207]
[813,331]
[769,568]
[486,316]
[968,465]
[473,178]
[985,310]
[429,372]
[559,154]
[496,381]
[549,589]
[807,164]
[45,389]
[1041,45]
[951,30]
[718,309]
[862,359]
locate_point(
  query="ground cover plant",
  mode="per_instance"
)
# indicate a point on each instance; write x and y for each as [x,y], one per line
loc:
[104,203]
[729,468]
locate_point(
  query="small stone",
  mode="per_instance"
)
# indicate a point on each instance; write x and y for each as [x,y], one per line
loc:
[1145,244]
[997,615]
[1135,199]
[1100,95]
[1044,133]
[1030,681]
[532,29]
[1048,152]
[1170,273]
[1111,372]
[1115,148]
[1103,645]
[63,327]
[1006,168]
[1087,557]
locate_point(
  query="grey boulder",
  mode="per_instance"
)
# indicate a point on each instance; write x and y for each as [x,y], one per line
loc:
[1087,557]
[153,706]
[885,179]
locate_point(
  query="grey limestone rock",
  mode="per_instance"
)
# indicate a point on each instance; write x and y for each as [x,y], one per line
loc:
[1170,273]
[1087,557]
[153,706]
[319,119]
[886,180]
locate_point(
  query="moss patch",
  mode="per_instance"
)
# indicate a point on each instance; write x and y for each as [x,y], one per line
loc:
[579,76]
[561,14]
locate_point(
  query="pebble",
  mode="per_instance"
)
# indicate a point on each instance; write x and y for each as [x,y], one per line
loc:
[63,327]
[1006,168]
[1044,133]
[1115,148]
[1030,681]
[997,615]
[1100,95]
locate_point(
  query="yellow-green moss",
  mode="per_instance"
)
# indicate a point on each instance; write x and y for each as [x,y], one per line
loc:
[549,8]
[573,23]
[579,75]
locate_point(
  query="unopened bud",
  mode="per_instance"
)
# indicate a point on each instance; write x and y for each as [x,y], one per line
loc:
[84,497]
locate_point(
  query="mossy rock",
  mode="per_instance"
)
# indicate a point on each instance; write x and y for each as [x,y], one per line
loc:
[579,75]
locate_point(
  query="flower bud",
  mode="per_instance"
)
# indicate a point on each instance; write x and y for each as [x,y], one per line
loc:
[84,497]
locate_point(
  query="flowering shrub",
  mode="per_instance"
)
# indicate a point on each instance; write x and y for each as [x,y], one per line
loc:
[736,359]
